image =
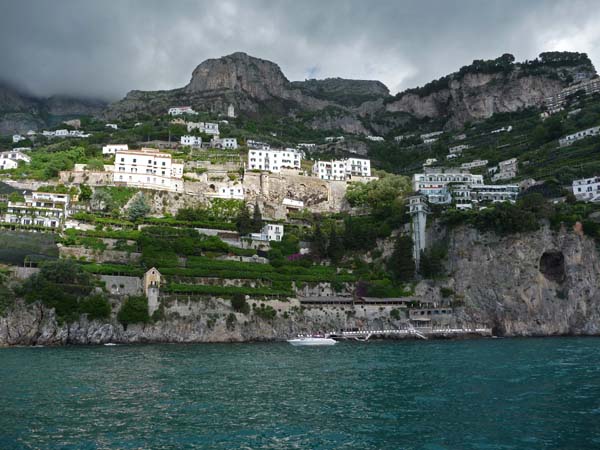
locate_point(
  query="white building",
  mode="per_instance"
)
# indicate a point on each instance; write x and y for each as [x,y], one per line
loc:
[231,111]
[433,134]
[111,149]
[39,208]
[179,110]
[18,138]
[334,139]
[570,138]
[112,125]
[402,137]
[274,160]
[257,145]
[505,170]
[459,148]
[452,156]
[375,138]
[204,127]
[148,168]
[589,87]
[228,143]
[507,129]
[474,164]
[342,169]
[10,159]
[430,140]
[306,145]
[270,232]
[229,191]
[429,162]
[192,141]
[587,189]
[435,184]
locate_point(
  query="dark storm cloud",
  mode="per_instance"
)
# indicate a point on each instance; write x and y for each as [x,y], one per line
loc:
[105,48]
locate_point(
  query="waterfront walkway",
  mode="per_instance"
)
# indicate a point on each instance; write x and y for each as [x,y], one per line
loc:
[420,332]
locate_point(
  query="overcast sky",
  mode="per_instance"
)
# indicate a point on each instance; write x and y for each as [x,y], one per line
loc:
[105,48]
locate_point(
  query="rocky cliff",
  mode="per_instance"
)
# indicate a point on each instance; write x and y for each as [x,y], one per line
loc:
[535,284]
[484,88]
[20,112]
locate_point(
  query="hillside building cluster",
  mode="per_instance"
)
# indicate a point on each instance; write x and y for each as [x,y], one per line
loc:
[42,209]
[571,138]
[587,189]
[10,160]
[555,103]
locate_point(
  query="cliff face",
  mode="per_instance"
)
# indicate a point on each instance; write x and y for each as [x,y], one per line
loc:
[543,283]
[20,112]
[537,284]
[478,96]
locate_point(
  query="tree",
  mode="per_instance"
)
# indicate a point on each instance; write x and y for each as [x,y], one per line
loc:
[239,303]
[335,249]
[257,222]
[138,208]
[401,263]
[102,201]
[319,243]
[243,221]
[85,193]
[134,310]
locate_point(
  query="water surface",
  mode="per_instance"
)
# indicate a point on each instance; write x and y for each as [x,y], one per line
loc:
[477,394]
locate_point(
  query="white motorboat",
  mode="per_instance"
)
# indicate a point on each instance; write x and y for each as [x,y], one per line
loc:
[312,341]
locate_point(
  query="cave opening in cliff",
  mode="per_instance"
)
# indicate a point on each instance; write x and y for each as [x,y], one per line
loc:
[552,266]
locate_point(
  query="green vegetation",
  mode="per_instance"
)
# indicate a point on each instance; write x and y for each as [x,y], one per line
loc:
[138,208]
[134,310]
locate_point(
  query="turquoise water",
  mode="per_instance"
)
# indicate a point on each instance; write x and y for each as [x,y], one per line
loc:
[479,394]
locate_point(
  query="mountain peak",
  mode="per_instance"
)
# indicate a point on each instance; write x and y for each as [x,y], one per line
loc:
[239,71]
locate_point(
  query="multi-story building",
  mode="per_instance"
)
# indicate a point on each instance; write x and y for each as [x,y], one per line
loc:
[228,143]
[588,87]
[39,208]
[458,149]
[269,232]
[192,141]
[587,189]
[474,164]
[179,110]
[274,160]
[256,145]
[226,190]
[111,149]
[402,137]
[433,134]
[306,145]
[434,184]
[204,127]
[10,159]
[342,169]
[570,138]
[148,168]
[505,170]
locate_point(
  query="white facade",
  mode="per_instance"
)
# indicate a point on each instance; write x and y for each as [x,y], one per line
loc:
[554,102]
[307,145]
[342,169]
[112,125]
[39,208]
[228,143]
[192,141]
[505,170]
[430,140]
[402,137]
[274,160]
[474,164]
[148,168]
[18,138]
[459,148]
[587,189]
[334,139]
[429,162]
[65,134]
[10,159]
[111,149]
[433,134]
[257,145]
[375,138]
[435,187]
[179,110]
[204,127]
[507,129]
[230,190]
[570,138]
[231,111]
[270,232]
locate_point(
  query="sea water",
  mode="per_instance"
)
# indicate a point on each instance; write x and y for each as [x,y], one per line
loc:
[472,394]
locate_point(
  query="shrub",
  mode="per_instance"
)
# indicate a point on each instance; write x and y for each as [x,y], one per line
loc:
[266,312]
[96,307]
[239,303]
[395,314]
[134,310]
